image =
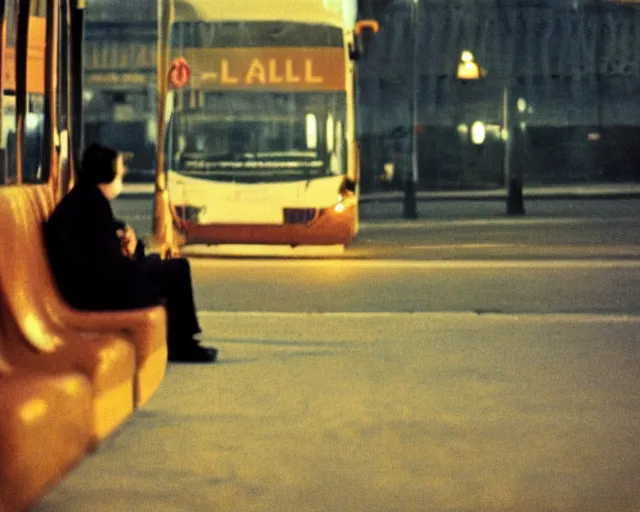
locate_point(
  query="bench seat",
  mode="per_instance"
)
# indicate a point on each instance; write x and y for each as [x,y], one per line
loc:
[45,425]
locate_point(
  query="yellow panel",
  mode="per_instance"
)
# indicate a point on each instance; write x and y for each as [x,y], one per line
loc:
[35,58]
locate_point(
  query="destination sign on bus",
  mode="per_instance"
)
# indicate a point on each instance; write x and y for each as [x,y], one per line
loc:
[276,69]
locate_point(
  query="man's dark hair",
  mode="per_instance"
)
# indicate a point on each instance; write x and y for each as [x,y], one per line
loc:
[98,165]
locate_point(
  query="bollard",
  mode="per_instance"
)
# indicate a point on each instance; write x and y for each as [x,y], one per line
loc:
[515,198]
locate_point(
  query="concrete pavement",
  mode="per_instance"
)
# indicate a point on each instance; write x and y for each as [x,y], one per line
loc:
[375,409]
[383,412]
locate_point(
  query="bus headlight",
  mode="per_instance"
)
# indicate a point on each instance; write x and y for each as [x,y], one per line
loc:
[339,207]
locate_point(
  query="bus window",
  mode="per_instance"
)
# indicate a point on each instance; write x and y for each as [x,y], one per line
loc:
[8,135]
[312,132]
[34,143]
[62,98]
[329,135]
[34,140]
[341,162]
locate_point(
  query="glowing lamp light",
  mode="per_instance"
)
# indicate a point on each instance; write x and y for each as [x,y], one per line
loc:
[33,121]
[468,68]
[466,56]
[522,105]
[311,131]
[478,133]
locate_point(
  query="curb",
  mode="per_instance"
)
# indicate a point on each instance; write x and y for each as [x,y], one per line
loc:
[527,196]
[141,191]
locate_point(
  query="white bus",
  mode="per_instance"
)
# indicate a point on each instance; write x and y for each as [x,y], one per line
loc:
[260,139]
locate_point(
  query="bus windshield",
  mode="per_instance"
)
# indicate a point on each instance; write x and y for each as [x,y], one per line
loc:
[259,136]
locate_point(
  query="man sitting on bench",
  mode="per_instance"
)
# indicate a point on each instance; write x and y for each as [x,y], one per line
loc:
[99,264]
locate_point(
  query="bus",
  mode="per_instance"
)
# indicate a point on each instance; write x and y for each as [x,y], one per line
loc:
[259,118]
[41,115]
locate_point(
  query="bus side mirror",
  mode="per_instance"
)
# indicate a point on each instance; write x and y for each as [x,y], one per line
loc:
[348,185]
[369,25]
[356,50]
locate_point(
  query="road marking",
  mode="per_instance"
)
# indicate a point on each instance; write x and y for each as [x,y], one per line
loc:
[262,250]
[416,264]
[137,216]
[433,315]
[138,188]
[463,246]
[609,250]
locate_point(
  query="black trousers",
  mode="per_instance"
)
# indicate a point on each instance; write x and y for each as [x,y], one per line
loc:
[168,282]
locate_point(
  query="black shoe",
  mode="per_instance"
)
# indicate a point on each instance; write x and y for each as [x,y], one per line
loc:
[193,354]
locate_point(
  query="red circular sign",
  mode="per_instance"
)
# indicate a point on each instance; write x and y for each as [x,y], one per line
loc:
[180,73]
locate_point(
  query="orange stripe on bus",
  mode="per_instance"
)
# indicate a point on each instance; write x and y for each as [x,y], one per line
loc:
[35,58]
[275,69]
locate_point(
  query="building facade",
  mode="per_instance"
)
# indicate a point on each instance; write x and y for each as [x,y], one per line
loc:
[120,78]
[561,82]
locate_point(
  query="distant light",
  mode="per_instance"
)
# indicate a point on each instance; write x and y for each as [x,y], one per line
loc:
[33,121]
[467,56]
[468,68]
[312,131]
[522,105]
[329,133]
[478,133]
[462,129]
[387,173]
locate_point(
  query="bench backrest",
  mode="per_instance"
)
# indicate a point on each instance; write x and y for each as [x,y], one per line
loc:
[27,289]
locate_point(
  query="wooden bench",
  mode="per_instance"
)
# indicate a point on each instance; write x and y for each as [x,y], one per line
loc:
[122,355]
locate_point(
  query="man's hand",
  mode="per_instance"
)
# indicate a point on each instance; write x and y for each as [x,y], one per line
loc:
[128,241]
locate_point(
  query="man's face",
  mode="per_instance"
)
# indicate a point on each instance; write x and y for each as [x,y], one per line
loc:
[113,189]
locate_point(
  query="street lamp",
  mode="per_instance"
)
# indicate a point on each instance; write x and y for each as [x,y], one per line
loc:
[411,180]
[468,69]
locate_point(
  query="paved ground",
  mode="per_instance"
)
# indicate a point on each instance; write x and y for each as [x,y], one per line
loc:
[411,412]
[464,362]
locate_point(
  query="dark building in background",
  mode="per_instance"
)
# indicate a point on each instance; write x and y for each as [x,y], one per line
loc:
[120,77]
[565,72]
[570,70]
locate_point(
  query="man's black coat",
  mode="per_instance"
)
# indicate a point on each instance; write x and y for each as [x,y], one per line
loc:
[86,259]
